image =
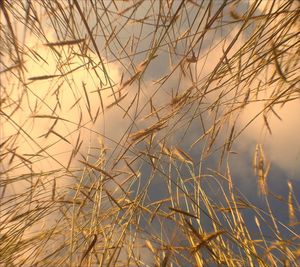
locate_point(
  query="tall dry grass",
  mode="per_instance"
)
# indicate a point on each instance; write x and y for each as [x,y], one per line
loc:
[119,120]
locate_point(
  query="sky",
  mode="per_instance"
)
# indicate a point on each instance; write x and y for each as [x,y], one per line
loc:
[78,104]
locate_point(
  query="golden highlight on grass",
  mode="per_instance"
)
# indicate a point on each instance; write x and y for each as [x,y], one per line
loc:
[120,121]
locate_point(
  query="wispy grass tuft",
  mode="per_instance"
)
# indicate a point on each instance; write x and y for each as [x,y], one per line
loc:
[119,123]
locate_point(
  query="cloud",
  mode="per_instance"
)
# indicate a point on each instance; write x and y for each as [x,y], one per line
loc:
[56,112]
[282,146]
[67,106]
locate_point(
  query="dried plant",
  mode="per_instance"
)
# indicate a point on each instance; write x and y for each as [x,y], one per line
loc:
[112,116]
